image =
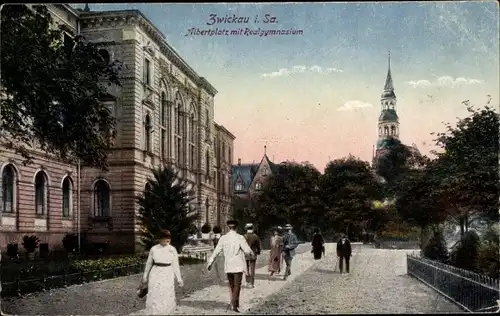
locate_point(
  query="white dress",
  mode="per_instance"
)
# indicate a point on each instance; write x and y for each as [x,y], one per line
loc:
[160,279]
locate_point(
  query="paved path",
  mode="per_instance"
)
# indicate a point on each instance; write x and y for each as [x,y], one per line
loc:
[377,284]
[115,296]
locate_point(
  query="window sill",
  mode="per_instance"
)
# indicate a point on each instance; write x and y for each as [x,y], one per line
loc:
[147,153]
[40,216]
[8,214]
[66,217]
[100,218]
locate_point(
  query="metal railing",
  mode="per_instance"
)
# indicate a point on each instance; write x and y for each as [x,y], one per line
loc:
[471,291]
[37,283]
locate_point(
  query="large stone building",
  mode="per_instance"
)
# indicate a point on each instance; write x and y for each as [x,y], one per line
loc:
[165,114]
[248,178]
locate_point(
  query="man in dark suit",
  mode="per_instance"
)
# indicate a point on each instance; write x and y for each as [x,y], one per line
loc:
[344,252]
[254,243]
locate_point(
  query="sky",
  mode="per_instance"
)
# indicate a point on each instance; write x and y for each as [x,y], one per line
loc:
[315,95]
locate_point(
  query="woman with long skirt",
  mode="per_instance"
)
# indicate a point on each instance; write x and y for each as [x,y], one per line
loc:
[274,264]
[318,244]
[162,268]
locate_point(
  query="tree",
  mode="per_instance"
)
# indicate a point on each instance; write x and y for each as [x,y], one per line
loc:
[348,188]
[418,202]
[436,248]
[291,196]
[466,253]
[52,91]
[164,204]
[469,164]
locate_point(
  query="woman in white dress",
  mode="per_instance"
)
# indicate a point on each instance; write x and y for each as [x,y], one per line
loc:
[162,268]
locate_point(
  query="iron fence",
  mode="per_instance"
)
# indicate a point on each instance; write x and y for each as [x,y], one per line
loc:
[36,283]
[471,291]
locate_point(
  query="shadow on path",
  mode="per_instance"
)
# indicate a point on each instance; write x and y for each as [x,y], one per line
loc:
[207,305]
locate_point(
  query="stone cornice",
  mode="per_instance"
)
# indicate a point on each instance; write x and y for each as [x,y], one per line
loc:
[225,131]
[135,17]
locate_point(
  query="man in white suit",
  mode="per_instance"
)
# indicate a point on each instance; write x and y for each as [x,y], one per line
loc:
[235,247]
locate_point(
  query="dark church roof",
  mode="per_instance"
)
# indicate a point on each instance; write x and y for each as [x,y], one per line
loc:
[388,115]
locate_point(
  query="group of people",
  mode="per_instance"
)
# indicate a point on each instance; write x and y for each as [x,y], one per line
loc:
[240,257]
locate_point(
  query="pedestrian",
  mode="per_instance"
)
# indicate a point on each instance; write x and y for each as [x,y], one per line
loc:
[344,252]
[162,268]
[234,247]
[318,244]
[254,243]
[290,242]
[276,243]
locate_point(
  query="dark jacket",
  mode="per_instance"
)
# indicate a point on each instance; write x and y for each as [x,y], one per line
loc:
[344,250]
[317,241]
[254,243]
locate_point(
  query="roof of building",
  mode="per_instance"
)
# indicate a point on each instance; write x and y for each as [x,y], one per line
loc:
[388,115]
[247,172]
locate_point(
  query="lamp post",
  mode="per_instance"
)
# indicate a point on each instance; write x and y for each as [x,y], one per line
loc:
[78,206]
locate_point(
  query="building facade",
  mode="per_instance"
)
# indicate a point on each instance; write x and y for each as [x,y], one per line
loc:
[249,178]
[165,114]
[225,149]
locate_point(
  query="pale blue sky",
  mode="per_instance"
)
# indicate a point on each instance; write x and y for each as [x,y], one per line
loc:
[296,114]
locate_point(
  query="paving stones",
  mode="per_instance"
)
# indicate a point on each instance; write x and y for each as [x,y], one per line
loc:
[377,284]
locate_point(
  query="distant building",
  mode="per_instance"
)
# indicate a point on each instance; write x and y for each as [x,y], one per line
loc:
[248,179]
[388,121]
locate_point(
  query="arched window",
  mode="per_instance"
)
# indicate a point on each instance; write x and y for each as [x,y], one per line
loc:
[386,130]
[67,192]
[207,164]
[258,186]
[192,142]
[207,210]
[393,130]
[41,193]
[147,132]
[178,130]
[380,131]
[163,109]
[8,189]
[101,198]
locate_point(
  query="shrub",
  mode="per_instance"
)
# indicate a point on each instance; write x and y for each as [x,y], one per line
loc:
[466,253]
[30,243]
[436,248]
[205,229]
[217,230]
[13,251]
[489,261]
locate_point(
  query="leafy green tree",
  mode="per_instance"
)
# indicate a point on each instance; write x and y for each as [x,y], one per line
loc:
[348,188]
[436,248]
[418,201]
[53,89]
[466,253]
[290,195]
[164,204]
[469,163]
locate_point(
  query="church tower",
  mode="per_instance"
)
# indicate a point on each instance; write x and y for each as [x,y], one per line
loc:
[388,121]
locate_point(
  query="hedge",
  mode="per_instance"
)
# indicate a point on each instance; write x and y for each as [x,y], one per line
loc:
[22,278]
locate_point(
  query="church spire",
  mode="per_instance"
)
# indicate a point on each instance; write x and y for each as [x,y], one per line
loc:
[389,86]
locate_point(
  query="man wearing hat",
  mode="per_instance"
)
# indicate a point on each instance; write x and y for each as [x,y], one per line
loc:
[344,252]
[235,247]
[254,243]
[290,242]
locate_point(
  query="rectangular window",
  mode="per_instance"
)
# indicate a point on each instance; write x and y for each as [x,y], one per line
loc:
[147,72]
[192,156]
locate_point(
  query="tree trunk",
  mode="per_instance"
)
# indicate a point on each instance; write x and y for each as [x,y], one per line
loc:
[462,227]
